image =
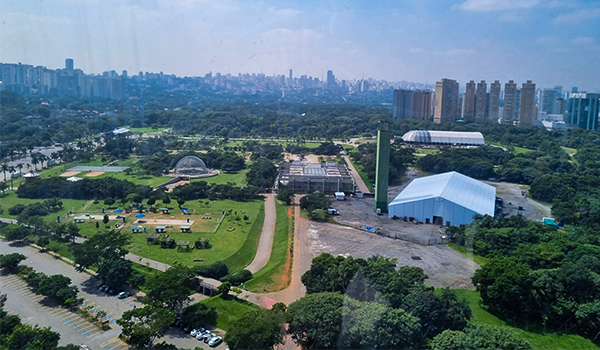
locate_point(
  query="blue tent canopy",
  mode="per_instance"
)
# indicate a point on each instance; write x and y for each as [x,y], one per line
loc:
[118,211]
[139,216]
[185,210]
[136,227]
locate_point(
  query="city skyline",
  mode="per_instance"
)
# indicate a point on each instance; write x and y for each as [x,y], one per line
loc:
[549,42]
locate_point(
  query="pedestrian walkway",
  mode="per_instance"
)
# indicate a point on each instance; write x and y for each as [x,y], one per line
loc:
[265,244]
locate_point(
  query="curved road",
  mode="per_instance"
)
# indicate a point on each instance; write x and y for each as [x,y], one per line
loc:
[263,252]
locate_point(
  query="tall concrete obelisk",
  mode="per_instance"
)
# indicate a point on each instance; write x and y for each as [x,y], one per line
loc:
[382,171]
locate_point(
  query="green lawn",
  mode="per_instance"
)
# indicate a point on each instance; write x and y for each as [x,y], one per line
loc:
[570,151]
[276,274]
[244,255]
[538,339]
[427,150]
[521,150]
[229,309]
[144,130]
[363,175]
[226,243]
[238,177]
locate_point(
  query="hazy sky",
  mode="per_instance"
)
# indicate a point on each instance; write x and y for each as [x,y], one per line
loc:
[552,42]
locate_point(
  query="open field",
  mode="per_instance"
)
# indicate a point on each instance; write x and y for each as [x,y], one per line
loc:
[144,130]
[225,242]
[238,177]
[570,151]
[539,339]
[70,173]
[247,250]
[94,173]
[276,274]
[229,309]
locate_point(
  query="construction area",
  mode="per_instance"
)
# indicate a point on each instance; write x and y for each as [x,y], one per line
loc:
[326,177]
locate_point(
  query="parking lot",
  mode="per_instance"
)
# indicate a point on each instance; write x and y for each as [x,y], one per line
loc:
[443,265]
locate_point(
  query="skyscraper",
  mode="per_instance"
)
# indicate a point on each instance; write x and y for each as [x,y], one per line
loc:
[547,101]
[468,105]
[330,80]
[421,105]
[446,101]
[510,100]
[527,105]
[480,101]
[403,104]
[583,109]
[69,64]
[494,113]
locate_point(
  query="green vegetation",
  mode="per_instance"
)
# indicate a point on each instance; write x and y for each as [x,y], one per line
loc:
[246,251]
[226,243]
[277,272]
[229,309]
[539,339]
[569,150]
[468,252]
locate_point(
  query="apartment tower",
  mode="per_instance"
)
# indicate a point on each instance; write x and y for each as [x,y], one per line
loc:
[468,105]
[494,101]
[527,105]
[446,101]
[480,101]
[510,101]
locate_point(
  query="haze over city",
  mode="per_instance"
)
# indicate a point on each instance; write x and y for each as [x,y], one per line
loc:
[549,42]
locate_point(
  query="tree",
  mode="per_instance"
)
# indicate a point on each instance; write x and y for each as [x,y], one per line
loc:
[25,336]
[151,201]
[480,337]
[109,201]
[11,261]
[316,320]
[100,248]
[224,289]
[370,325]
[143,325]
[172,288]
[57,287]
[198,313]
[330,274]
[18,233]
[43,241]
[260,329]
[105,219]
[262,173]
[72,231]
[285,195]
[117,271]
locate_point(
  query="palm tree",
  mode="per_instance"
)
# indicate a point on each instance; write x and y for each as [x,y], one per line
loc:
[35,160]
[44,158]
[11,169]
[54,156]
[4,169]
[20,167]
[3,187]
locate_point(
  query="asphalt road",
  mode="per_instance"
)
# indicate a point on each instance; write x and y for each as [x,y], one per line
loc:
[265,244]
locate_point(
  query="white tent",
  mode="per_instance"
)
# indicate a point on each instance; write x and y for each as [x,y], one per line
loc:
[74,179]
[450,198]
[444,137]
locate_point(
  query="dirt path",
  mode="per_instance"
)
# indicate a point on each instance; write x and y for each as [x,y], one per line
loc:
[265,244]
[359,181]
[301,262]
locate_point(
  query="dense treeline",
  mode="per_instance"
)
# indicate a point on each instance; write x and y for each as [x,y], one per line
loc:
[102,188]
[536,273]
[400,158]
[202,189]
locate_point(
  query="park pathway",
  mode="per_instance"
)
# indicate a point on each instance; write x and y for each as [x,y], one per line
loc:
[359,181]
[265,244]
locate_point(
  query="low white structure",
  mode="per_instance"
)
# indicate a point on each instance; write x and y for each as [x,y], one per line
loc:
[340,196]
[74,179]
[445,199]
[434,137]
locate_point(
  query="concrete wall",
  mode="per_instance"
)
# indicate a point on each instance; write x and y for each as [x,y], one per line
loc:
[425,209]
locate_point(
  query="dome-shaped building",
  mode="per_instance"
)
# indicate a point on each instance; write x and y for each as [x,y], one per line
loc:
[190,166]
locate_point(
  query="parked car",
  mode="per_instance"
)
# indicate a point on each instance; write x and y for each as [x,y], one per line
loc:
[215,341]
[196,331]
[209,337]
[202,335]
[123,295]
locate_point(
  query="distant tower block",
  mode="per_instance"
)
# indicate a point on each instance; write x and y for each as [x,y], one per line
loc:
[382,171]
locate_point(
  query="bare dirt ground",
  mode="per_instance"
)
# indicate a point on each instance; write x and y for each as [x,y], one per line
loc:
[166,222]
[94,173]
[69,173]
[511,194]
[443,265]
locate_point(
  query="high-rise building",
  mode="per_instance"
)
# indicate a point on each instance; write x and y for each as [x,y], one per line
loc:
[561,106]
[403,104]
[494,101]
[583,109]
[480,101]
[574,89]
[330,80]
[69,64]
[421,109]
[510,101]
[527,105]
[468,103]
[446,101]
[547,101]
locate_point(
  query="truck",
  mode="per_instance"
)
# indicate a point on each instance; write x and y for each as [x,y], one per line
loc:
[340,196]
[333,212]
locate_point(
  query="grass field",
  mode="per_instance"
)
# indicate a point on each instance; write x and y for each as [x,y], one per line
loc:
[229,309]
[238,177]
[427,151]
[144,130]
[247,250]
[276,274]
[538,339]
[225,242]
[570,151]
[363,175]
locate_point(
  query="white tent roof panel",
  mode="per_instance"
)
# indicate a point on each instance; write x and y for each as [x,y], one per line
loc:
[444,137]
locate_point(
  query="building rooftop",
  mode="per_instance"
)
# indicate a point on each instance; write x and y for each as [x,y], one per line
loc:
[454,187]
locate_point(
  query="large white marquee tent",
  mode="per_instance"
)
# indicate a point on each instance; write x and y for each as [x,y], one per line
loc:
[450,199]
[443,137]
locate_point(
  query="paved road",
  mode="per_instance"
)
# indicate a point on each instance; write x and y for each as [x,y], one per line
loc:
[359,181]
[301,262]
[263,252]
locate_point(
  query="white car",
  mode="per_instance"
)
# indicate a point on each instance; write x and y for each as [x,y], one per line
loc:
[202,335]
[196,331]
[215,341]
[209,336]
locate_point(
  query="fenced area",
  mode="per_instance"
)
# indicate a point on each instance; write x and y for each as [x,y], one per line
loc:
[112,169]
